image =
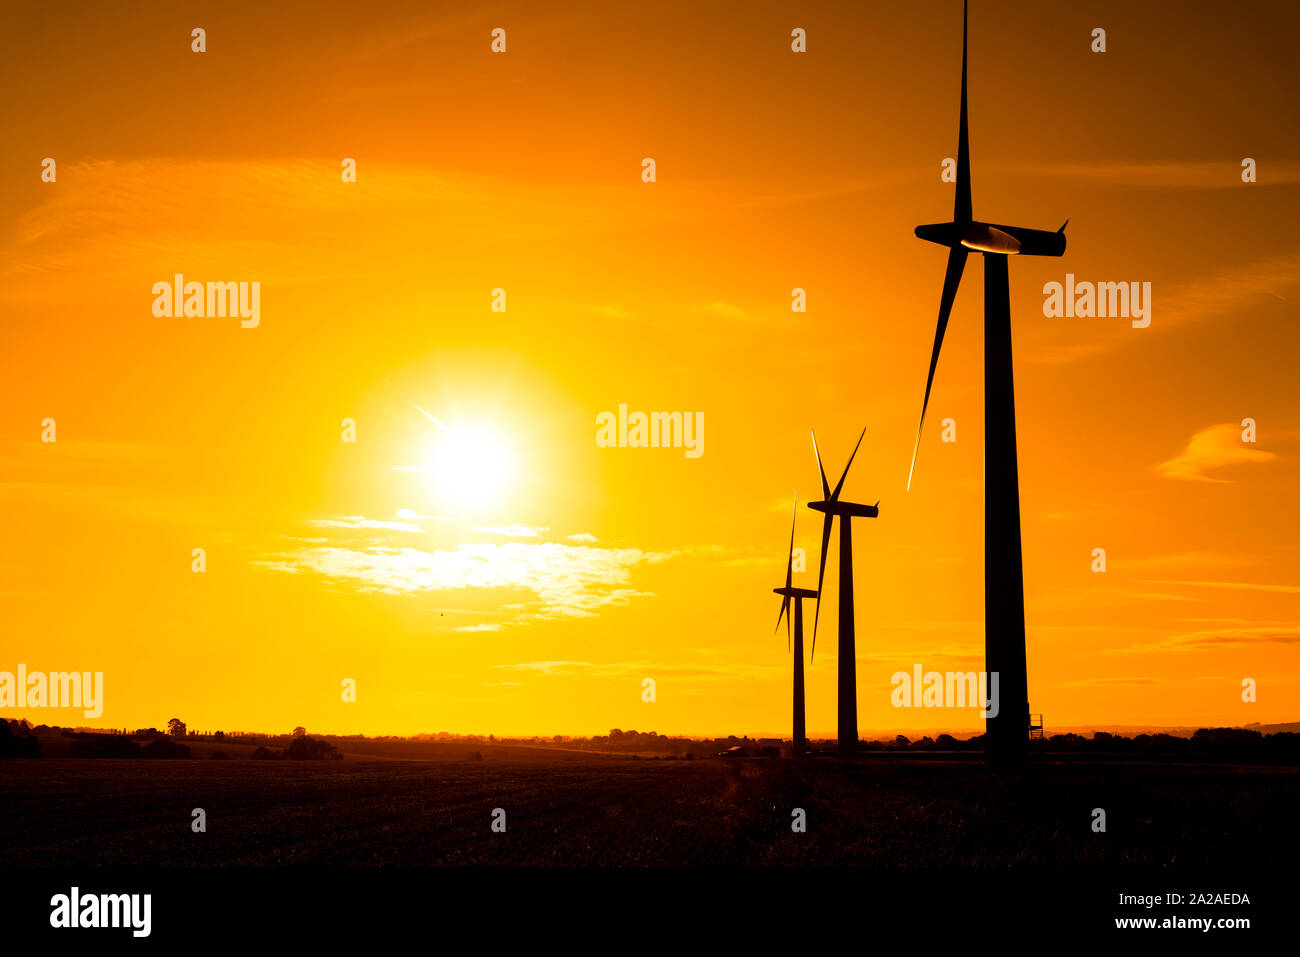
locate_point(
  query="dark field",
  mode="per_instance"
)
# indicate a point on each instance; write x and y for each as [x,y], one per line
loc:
[574,809]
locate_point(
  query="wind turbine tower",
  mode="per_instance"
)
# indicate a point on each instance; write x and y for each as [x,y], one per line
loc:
[1006,742]
[795,596]
[831,507]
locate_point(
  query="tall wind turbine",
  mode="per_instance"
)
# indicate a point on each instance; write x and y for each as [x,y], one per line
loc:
[797,595]
[1006,740]
[831,507]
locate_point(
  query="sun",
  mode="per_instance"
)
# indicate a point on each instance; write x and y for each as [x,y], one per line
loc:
[471,465]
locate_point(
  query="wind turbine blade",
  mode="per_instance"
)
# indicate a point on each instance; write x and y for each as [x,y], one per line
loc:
[821,577]
[826,486]
[836,494]
[961,211]
[789,555]
[951,280]
[783,613]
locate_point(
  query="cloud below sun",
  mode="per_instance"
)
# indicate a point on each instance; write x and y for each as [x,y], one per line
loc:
[567,581]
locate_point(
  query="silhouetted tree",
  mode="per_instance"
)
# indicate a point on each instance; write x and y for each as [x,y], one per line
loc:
[104,746]
[17,742]
[162,748]
[310,749]
[176,728]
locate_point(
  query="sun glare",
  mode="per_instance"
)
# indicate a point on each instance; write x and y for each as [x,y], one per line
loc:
[471,466]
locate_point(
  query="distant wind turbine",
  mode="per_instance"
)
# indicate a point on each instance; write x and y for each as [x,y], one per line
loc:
[831,507]
[1006,740]
[795,595]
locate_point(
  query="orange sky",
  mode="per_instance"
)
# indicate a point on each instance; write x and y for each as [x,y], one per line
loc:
[540,609]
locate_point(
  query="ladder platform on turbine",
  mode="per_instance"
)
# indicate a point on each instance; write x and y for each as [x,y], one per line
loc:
[1036,727]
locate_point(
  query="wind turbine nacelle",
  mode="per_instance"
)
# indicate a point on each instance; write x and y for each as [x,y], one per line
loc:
[945,234]
[984,238]
[845,509]
[993,238]
[796,592]
[1014,240]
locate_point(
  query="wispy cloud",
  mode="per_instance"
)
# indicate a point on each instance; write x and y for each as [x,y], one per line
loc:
[954,653]
[550,667]
[411,514]
[358,521]
[512,531]
[1212,448]
[197,216]
[566,580]
[677,670]
[1062,353]
[724,309]
[611,312]
[1222,638]
[1173,560]
[1166,174]
[1090,682]
[1232,287]
[1243,586]
[1220,293]
[784,505]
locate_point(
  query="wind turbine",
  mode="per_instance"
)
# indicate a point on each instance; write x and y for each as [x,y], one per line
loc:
[1006,740]
[800,739]
[831,507]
